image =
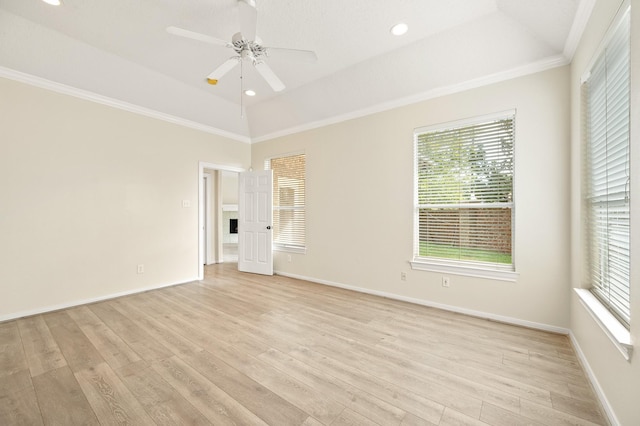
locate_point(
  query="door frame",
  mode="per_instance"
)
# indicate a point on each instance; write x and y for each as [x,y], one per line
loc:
[202,208]
[206,193]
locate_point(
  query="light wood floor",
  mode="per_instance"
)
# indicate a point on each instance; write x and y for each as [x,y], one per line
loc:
[251,350]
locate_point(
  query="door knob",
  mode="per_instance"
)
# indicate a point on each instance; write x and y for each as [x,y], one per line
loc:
[268,227]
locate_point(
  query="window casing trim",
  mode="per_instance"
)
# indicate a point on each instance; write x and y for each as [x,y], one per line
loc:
[464,267]
[615,324]
[624,9]
[289,248]
[267,160]
[466,121]
[614,330]
[284,247]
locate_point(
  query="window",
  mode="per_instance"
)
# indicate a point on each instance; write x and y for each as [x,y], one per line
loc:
[288,201]
[606,91]
[464,194]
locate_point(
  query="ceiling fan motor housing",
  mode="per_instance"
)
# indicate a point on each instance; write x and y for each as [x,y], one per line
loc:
[248,48]
[246,45]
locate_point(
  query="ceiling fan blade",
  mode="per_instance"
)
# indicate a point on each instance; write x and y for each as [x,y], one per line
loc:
[267,73]
[248,18]
[292,54]
[226,66]
[196,36]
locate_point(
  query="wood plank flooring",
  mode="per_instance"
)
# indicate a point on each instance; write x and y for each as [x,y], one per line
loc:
[242,349]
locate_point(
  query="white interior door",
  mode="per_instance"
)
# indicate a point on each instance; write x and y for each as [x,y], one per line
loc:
[255,217]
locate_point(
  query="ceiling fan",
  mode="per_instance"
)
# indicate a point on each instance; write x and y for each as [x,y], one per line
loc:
[247,47]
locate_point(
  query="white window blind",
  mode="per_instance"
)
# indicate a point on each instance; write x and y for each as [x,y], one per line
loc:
[607,132]
[464,192]
[288,201]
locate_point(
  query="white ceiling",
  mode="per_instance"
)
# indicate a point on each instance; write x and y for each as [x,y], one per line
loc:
[118,50]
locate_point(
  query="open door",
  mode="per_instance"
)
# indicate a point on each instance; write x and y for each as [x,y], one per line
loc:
[255,216]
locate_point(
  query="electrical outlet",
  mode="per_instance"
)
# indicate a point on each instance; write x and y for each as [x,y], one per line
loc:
[403,276]
[445,281]
[289,258]
[186,204]
[141,268]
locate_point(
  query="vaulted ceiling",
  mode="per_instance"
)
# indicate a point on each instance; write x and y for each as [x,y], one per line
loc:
[119,52]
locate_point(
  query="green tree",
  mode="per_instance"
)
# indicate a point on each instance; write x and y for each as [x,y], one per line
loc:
[465,165]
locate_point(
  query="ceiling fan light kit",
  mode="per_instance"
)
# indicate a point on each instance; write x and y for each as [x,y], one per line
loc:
[248,47]
[399,29]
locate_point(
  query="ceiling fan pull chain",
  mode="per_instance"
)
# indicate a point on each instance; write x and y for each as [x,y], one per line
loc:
[241,90]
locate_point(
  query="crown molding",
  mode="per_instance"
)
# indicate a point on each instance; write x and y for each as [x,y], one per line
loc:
[585,8]
[115,103]
[532,68]
[535,67]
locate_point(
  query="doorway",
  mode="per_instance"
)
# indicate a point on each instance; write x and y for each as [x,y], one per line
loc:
[229,234]
[218,198]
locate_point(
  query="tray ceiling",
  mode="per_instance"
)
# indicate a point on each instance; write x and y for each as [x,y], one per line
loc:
[118,50]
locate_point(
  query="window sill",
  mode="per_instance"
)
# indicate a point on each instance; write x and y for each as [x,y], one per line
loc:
[619,335]
[469,271]
[290,249]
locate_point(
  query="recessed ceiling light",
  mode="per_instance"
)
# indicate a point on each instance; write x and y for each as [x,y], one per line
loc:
[399,29]
[249,93]
[53,2]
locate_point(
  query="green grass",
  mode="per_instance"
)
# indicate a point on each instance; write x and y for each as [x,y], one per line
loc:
[449,252]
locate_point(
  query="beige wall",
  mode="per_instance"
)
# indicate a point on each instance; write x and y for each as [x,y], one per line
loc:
[360,201]
[88,192]
[616,378]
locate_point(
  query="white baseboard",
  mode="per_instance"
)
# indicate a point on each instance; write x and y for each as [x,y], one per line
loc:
[509,320]
[51,308]
[451,308]
[594,382]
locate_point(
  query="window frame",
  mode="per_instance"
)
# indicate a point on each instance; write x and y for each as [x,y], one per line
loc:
[284,247]
[463,267]
[601,309]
